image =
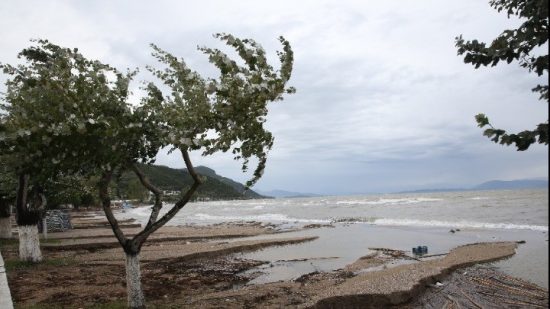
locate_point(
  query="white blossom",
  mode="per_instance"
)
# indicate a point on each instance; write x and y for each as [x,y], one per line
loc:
[81,127]
[185,141]
[46,140]
[171,136]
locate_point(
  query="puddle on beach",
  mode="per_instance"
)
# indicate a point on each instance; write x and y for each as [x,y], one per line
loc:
[345,243]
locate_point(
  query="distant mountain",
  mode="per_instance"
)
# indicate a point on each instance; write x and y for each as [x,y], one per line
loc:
[493,185]
[215,187]
[512,184]
[239,187]
[286,194]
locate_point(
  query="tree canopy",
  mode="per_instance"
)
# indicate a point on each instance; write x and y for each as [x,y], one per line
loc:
[62,112]
[66,116]
[523,45]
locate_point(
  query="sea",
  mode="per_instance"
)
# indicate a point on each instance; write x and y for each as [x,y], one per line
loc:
[350,225]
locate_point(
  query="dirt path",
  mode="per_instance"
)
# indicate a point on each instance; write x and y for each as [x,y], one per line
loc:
[86,266]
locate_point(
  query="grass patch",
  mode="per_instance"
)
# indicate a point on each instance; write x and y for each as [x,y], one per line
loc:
[14,242]
[36,306]
[118,304]
[50,241]
[11,265]
[8,242]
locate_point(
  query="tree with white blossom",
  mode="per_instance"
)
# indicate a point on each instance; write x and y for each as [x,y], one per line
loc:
[57,107]
[69,115]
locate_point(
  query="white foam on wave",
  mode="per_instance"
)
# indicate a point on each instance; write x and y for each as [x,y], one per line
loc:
[260,218]
[459,224]
[142,211]
[390,201]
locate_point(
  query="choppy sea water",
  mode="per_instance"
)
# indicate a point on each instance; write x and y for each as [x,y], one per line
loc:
[398,221]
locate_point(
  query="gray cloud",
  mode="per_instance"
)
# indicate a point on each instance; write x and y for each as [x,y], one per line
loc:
[383,102]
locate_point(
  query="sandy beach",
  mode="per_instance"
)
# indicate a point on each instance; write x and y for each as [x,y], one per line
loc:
[239,265]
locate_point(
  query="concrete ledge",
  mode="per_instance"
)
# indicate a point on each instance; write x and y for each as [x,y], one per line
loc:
[5,295]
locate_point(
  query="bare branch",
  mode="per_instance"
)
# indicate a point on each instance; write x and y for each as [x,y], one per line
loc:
[148,230]
[189,166]
[158,194]
[106,203]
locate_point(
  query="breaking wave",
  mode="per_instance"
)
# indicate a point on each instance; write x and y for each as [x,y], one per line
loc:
[389,201]
[459,224]
[275,218]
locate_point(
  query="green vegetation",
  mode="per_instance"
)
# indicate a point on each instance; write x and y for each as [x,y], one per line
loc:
[117,304]
[520,45]
[19,265]
[8,242]
[65,115]
[214,186]
[14,242]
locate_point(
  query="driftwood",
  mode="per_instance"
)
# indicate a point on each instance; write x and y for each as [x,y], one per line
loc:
[395,253]
[482,287]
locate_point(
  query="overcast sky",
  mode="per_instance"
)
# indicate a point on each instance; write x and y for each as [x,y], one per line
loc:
[383,102]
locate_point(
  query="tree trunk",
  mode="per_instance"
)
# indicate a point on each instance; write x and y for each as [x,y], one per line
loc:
[5,213]
[29,244]
[45,227]
[136,300]
[27,223]
[5,227]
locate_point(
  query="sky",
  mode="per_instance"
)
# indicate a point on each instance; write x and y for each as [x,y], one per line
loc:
[383,102]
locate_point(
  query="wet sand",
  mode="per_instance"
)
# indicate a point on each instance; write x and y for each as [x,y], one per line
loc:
[343,244]
[223,266]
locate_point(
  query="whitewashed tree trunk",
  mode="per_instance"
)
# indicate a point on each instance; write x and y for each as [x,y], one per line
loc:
[136,300]
[5,227]
[45,228]
[29,243]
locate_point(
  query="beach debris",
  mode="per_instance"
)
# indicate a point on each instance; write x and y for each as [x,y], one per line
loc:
[317,225]
[390,252]
[482,287]
[58,220]
[369,256]
[306,277]
[306,259]
[438,284]
[346,274]
[420,250]
[433,255]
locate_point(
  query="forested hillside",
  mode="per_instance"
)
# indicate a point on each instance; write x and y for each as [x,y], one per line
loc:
[215,187]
